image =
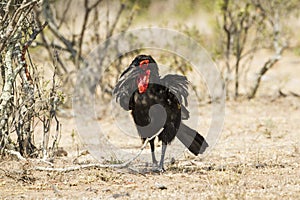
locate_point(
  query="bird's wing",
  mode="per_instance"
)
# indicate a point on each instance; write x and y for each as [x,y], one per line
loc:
[126,86]
[178,85]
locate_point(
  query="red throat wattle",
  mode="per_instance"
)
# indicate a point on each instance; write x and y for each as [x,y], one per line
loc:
[143,81]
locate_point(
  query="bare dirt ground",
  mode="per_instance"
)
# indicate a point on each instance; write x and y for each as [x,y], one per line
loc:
[257,157]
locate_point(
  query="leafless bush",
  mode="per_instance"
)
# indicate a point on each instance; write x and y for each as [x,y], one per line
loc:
[24,102]
[75,29]
[248,26]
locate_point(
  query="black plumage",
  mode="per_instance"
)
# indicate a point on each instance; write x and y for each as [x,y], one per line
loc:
[157,104]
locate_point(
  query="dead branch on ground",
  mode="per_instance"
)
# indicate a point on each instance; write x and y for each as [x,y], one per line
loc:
[98,165]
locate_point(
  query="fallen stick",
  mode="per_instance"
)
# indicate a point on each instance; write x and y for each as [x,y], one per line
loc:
[15,153]
[98,165]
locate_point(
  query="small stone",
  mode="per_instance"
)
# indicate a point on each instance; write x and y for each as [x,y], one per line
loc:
[160,186]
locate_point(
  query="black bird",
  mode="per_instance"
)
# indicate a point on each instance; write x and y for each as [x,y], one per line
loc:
[157,104]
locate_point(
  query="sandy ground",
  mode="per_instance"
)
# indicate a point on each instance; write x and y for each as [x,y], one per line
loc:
[257,157]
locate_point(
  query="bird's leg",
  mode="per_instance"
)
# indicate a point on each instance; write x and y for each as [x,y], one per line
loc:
[163,152]
[154,161]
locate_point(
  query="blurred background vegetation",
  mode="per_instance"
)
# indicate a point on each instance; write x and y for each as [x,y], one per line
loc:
[44,44]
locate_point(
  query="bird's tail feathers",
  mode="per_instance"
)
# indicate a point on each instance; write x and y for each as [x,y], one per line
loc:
[195,142]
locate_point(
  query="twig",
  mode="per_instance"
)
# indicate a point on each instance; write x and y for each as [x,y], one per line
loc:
[278,46]
[112,28]
[16,19]
[47,162]
[74,168]
[69,45]
[15,153]
[88,10]
[98,165]
[64,16]
[294,94]
[56,191]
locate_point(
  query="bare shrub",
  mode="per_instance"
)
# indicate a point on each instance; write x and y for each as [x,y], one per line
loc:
[249,26]
[24,102]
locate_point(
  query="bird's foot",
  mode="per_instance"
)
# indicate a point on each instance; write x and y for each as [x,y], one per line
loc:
[161,168]
[158,169]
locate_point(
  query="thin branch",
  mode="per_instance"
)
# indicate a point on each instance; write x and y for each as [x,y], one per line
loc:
[278,46]
[64,15]
[15,153]
[13,24]
[6,11]
[88,10]
[69,45]
[111,30]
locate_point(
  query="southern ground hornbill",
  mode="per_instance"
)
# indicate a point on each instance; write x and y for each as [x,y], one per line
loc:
[157,104]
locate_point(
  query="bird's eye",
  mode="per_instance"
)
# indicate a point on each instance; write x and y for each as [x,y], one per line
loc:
[144,63]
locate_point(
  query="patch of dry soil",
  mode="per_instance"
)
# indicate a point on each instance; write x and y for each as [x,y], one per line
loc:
[257,157]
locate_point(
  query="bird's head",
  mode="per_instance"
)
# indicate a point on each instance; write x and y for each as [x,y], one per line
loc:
[148,68]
